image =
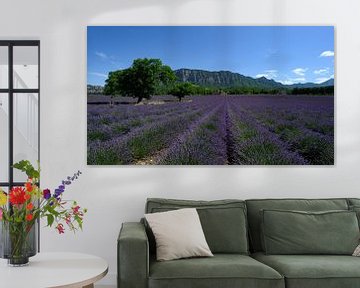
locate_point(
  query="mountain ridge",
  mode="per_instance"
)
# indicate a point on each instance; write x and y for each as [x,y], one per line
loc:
[224,79]
[329,82]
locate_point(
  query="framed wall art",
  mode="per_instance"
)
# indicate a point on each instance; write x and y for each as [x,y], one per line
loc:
[210,95]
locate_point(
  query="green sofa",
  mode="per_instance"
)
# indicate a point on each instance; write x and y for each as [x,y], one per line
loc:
[233,230]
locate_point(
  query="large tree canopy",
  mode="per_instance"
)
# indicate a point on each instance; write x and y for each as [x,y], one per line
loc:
[140,80]
[111,84]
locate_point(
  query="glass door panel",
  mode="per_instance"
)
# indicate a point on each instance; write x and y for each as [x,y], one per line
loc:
[4,67]
[26,69]
[4,137]
[25,130]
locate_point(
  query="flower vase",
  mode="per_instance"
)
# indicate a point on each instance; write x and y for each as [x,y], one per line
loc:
[18,242]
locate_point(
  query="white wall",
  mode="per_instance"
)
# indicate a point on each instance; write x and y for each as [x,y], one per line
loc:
[117,194]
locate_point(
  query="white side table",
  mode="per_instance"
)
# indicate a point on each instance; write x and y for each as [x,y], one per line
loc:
[50,270]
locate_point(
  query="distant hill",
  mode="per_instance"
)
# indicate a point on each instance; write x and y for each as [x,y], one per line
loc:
[95,89]
[223,79]
[226,79]
[329,82]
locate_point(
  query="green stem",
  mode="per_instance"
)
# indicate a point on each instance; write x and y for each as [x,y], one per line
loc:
[18,238]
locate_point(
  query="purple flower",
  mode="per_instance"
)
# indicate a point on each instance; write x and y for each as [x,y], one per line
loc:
[46,194]
[58,192]
[63,184]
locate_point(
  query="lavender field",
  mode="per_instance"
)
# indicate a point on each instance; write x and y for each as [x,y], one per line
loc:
[213,130]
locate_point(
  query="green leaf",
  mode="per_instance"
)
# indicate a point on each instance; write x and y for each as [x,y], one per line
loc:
[52,211]
[26,167]
[50,219]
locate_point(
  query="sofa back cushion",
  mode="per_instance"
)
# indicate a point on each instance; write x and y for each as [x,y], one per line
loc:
[353,201]
[255,206]
[298,232]
[354,205]
[223,221]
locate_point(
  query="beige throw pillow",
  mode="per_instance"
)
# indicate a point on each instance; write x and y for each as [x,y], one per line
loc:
[178,234]
[357,251]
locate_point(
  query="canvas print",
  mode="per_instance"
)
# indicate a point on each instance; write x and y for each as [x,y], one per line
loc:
[210,95]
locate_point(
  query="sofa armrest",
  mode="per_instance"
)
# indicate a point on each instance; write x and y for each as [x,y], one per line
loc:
[133,256]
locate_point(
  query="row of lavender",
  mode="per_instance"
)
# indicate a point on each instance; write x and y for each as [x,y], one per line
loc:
[214,130]
[145,130]
[280,130]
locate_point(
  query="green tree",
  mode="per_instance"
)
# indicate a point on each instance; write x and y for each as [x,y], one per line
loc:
[142,78]
[180,90]
[112,83]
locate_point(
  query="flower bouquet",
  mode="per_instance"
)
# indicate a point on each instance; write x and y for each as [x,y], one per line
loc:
[21,208]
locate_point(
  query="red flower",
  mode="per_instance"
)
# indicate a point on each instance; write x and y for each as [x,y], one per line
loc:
[29,217]
[68,219]
[75,209]
[29,186]
[17,196]
[29,206]
[60,228]
[27,196]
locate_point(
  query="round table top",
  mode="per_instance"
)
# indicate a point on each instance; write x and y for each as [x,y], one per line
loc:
[45,270]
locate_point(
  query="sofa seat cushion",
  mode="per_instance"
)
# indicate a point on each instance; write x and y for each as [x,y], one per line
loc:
[314,271]
[222,270]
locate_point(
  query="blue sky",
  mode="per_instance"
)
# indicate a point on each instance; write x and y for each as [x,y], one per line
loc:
[287,54]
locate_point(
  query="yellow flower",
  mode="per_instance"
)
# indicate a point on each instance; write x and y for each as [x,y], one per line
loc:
[3,198]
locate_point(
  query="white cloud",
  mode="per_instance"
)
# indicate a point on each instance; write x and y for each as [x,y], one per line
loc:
[327,53]
[109,58]
[101,55]
[269,74]
[98,74]
[271,71]
[290,81]
[323,79]
[299,80]
[300,71]
[321,71]
[261,75]
[286,82]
